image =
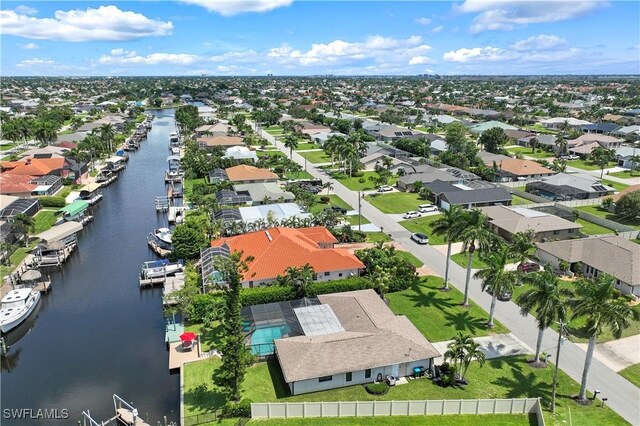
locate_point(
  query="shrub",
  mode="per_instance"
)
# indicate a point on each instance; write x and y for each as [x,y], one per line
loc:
[237,409]
[260,295]
[362,180]
[52,201]
[202,305]
[337,286]
[325,199]
[377,388]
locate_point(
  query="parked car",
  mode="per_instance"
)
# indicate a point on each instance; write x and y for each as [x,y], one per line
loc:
[420,238]
[411,215]
[427,208]
[505,296]
[385,188]
[338,209]
[527,267]
[569,157]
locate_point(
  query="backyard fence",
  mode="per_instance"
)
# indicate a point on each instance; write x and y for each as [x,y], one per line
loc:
[398,408]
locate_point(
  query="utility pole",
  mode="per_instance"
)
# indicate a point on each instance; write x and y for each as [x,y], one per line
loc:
[561,332]
[359,210]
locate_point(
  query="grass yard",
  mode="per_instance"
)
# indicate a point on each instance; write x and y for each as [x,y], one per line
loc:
[516,200]
[188,185]
[375,237]
[526,151]
[587,165]
[44,220]
[461,259]
[5,146]
[632,374]
[615,185]
[411,258]
[271,153]
[396,202]
[353,220]
[590,228]
[362,182]
[438,315]
[274,130]
[210,336]
[508,377]
[597,211]
[64,191]
[334,200]
[448,420]
[627,174]
[15,259]
[299,175]
[303,146]
[424,226]
[316,156]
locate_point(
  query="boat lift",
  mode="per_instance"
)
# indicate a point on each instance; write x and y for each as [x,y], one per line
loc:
[125,414]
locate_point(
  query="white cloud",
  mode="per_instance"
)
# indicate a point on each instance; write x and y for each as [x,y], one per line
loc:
[508,14]
[29,46]
[26,10]
[125,57]
[419,60]
[540,42]
[103,23]
[423,21]
[35,62]
[241,56]
[557,56]
[437,29]
[234,7]
[476,54]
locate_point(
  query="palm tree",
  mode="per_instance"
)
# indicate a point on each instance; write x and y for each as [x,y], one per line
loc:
[381,278]
[456,351]
[107,133]
[25,224]
[545,299]
[45,132]
[495,279]
[472,351]
[291,142]
[595,300]
[299,278]
[474,235]
[449,226]
[328,186]
[521,244]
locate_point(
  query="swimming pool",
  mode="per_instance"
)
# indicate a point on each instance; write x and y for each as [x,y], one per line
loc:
[263,337]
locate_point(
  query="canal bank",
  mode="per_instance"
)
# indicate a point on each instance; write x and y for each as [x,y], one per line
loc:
[97,333]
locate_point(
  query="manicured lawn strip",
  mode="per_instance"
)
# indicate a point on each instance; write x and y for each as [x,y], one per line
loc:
[518,201]
[303,146]
[270,153]
[188,185]
[461,259]
[316,156]
[465,420]
[632,374]
[354,184]
[375,237]
[526,151]
[424,225]
[591,228]
[438,315]
[411,258]
[353,220]
[15,259]
[627,174]
[396,202]
[201,396]
[299,175]
[597,211]
[615,185]
[44,220]
[587,165]
[334,200]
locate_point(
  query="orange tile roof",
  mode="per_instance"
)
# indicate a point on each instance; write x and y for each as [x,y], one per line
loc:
[274,250]
[33,166]
[221,140]
[523,167]
[244,172]
[16,184]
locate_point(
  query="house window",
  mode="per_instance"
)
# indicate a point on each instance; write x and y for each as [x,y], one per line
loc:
[326,274]
[367,373]
[349,377]
[325,379]
[556,232]
[571,231]
[250,284]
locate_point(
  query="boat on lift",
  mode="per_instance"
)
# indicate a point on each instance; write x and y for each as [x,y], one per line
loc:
[16,307]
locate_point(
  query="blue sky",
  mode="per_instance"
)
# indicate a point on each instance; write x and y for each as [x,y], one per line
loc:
[285,37]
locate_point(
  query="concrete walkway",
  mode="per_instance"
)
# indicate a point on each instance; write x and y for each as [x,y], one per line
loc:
[494,346]
[622,395]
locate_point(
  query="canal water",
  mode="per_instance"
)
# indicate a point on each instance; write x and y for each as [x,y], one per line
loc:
[96,332]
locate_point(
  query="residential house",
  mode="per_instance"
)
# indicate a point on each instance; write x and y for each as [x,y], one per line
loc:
[274,250]
[625,155]
[13,206]
[584,144]
[425,174]
[243,173]
[507,221]
[631,133]
[514,169]
[558,122]
[311,129]
[350,338]
[16,185]
[241,153]
[612,255]
[31,166]
[223,141]
[547,142]
[483,127]
[218,129]
[468,195]
[391,132]
[600,128]
[264,192]
[564,187]
[265,212]
[46,185]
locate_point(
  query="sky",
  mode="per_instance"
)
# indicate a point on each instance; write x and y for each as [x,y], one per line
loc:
[294,37]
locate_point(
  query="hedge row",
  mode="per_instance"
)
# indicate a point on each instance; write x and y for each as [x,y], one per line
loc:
[338,286]
[52,201]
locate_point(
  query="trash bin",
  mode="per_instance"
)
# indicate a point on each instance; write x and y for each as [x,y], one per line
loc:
[417,371]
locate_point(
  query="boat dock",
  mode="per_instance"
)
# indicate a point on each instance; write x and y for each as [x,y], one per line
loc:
[175,282]
[171,285]
[157,249]
[125,414]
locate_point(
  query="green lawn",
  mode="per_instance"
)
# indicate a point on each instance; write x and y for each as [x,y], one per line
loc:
[44,220]
[508,377]
[334,200]
[616,185]
[396,202]
[353,220]
[597,211]
[424,226]
[375,237]
[15,259]
[274,130]
[476,262]
[590,228]
[587,165]
[6,146]
[303,146]
[411,258]
[210,337]
[362,182]
[516,200]
[64,191]
[316,156]
[447,420]
[188,185]
[271,153]
[627,174]
[526,151]
[299,175]
[632,374]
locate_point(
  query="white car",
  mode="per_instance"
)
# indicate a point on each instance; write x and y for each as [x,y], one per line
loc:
[427,209]
[420,238]
[569,157]
[411,215]
[385,188]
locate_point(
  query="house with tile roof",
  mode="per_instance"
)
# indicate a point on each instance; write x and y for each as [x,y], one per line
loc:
[612,255]
[34,166]
[273,250]
[17,185]
[244,173]
[513,169]
[350,338]
[223,141]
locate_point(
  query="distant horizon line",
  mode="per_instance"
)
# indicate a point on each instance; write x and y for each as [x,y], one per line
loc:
[328,75]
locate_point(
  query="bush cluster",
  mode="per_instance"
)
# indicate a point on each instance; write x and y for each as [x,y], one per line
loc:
[52,201]
[237,409]
[377,388]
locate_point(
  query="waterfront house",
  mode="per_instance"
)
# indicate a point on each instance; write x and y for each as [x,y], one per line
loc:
[350,338]
[17,185]
[224,141]
[218,129]
[612,255]
[46,185]
[273,250]
[507,221]
[243,173]
[584,144]
[241,153]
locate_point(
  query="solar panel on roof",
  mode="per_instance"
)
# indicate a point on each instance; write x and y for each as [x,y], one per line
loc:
[398,133]
[599,188]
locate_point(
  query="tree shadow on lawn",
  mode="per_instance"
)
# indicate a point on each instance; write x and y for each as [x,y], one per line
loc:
[277,379]
[464,321]
[526,385]
[425,299]
[204,399]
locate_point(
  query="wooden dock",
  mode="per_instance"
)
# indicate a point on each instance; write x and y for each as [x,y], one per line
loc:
[157,249]
[126,417]
[150,282]
[171,285]
[43,286]
[178,357]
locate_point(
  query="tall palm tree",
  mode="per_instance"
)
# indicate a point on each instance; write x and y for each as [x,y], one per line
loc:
[107,133]
[299,278]
[45,132]
[495,279]
[521,245]
[25,224]
[291,142]
[595,300]
[474,235]
[449,226]
[472,351]
[546,299]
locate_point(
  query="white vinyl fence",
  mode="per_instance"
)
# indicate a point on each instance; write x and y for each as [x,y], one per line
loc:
[271,410]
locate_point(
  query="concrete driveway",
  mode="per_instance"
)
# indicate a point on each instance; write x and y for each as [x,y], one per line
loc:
[618,354]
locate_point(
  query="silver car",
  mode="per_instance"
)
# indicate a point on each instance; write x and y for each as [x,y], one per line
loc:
[420,238]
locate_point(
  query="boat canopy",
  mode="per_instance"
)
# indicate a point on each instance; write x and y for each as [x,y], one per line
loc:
[60,232]
[75,208]
[114,159]
[90,187]
[155,263]
[173,158]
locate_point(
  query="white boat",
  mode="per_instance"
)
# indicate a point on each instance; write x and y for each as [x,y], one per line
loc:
[17,305]
[160,268]
[175,151]
[163,235]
